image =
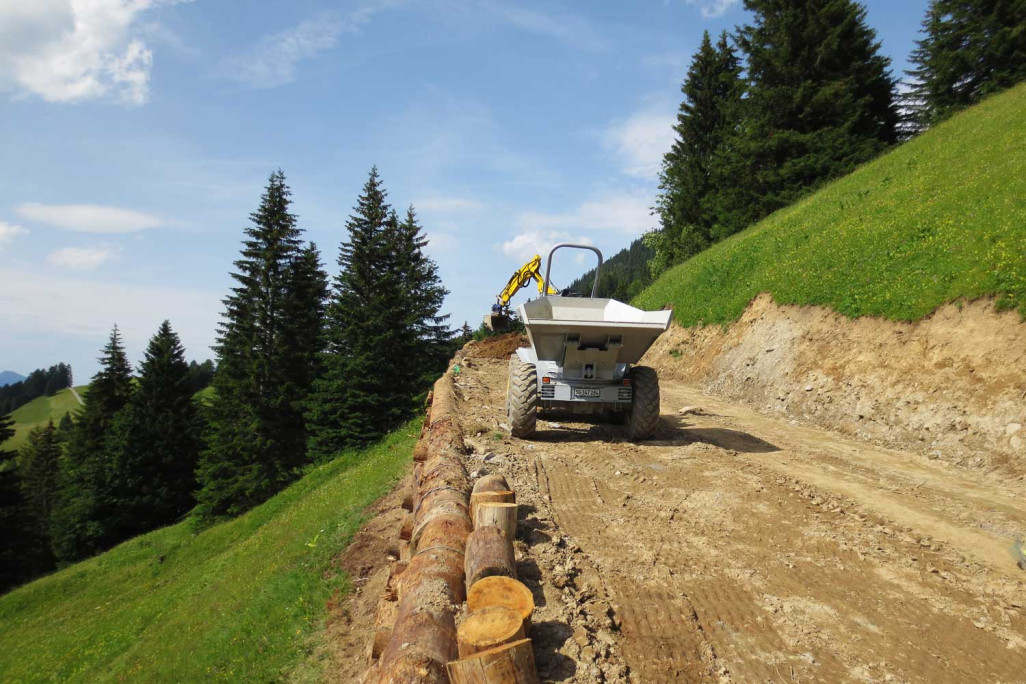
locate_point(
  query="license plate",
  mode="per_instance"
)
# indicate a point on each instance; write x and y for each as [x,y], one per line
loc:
[586,392]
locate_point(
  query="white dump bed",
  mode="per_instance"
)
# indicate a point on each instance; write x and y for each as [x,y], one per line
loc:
[557,323]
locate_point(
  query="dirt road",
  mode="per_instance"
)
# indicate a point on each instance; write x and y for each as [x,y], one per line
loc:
[739,548]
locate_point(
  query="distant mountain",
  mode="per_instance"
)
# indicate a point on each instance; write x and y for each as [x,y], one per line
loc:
[9,378]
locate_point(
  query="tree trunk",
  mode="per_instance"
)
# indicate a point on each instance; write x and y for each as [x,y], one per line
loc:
[489,553]
[383,623]
[502,591]
[488,628]
[406,528]
[508,664]
[501,515]
[490,497]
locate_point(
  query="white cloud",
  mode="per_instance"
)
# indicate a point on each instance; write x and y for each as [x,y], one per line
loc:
[9,231]
[572,29]
[88,218]
[713,8]
[80,258]
[641,141]
[274,59]
[530,242]
[46,304]
[627,213]
[75,50]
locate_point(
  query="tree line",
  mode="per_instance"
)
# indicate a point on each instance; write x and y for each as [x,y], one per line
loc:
[39,383]
[307,368]
[801,95]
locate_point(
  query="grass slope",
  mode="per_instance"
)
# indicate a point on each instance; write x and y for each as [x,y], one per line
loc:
[236,602]
[40,410]
[940,218]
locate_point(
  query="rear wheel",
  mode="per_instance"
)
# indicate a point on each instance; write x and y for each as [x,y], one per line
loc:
[522,398]
[643,415]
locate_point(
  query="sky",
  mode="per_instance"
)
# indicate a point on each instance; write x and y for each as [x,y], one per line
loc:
[138,135]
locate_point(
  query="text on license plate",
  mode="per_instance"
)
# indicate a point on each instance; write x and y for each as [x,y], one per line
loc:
[586,392]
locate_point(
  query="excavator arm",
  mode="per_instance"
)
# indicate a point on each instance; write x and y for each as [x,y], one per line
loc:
[499,319]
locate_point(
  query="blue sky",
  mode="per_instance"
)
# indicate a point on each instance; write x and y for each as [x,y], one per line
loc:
[138,135]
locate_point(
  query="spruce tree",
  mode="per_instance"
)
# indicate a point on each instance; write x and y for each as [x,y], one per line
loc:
[16,539]
[83,505]
[820,99]
[266,359]
[155,443]
[971,49]
[689,214]
[384,334]
[39,460]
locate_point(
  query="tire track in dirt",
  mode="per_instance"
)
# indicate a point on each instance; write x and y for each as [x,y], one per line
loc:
[736,548]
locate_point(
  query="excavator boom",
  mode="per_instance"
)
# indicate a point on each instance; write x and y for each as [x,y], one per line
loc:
[499,319]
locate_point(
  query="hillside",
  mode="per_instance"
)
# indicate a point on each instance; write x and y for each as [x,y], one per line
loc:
[939,219]
[241,601]
[40,410]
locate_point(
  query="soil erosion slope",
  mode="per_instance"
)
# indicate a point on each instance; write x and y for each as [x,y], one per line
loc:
[742,548]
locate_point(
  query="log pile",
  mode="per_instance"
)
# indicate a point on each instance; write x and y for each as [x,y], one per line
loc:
[454,546]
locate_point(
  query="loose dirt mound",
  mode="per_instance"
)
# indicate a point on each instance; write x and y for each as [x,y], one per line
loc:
[496,347]
[952,386]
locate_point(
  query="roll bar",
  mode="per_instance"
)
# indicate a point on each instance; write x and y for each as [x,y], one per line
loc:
[598,269]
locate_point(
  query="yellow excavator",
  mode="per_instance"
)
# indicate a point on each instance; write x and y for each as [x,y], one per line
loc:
[499,319]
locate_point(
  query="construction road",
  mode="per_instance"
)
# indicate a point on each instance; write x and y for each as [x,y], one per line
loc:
[739,548]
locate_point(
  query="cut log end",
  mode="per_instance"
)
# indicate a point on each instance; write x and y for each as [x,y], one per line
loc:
[507,664]
[491,483]
[501,591]
[488,628]
[478,498]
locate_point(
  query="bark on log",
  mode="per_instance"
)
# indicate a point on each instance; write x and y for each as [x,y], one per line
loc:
[446,531]
[441,564]
[489,553]
[424,635]
[509,664]
[491,483]
[446,508]
[488,628]
[501,591]
[501,515]
[490,497]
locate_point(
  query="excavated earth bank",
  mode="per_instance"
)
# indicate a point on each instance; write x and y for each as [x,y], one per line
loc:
[952,386]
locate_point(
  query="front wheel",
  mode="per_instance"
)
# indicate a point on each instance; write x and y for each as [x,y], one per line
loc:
[522,398]
[643,415]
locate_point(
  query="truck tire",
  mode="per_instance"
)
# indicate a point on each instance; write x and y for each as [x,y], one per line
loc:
[643,415]
[522,398]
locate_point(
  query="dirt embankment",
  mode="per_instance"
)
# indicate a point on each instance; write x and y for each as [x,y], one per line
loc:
[495,347]
[952,386]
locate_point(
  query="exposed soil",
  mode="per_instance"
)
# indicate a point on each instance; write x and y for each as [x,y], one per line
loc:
[741,547]
[952,386]
[495,347]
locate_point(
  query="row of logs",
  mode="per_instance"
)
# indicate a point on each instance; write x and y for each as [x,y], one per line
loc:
[492,640]
[444,559]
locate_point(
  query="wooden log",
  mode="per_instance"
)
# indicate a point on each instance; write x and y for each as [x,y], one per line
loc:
[444,565]
[489,553]
[384,620]
[488,628]
[420,451]
[445,531]
[501,591]
[508,664]
[424,633]
[491,483]
[446,508]
[391,592]
[501,515]
[435,497]
[490,497]
[406,528]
